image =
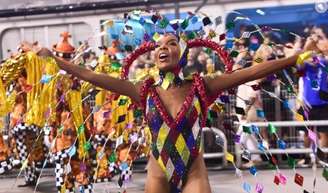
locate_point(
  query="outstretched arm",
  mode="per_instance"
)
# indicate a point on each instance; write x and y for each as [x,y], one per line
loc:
[226,81]
[122,87]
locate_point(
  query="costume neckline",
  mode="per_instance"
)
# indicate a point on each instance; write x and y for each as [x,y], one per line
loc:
[170,120]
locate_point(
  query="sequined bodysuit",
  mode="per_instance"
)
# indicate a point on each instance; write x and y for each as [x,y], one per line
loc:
[176,142]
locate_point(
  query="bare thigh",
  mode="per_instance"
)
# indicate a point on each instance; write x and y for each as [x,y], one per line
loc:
[198,179]
[156,181]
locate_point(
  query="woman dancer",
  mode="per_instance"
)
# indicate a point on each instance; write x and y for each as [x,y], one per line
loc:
[174,112]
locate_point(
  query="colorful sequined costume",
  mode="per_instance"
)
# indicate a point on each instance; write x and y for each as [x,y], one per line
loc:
[70,149]
[25,120]
[176,142]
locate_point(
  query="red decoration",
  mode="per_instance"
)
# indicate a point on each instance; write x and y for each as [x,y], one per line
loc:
[169,120]
[276,180]
[274,160]
[299,179]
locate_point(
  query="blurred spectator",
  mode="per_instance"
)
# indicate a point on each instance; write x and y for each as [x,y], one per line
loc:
[314,87]
[250,100]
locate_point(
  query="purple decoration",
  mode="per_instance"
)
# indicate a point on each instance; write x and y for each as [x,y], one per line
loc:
[259,188]
[146,37]
[106,114]
[271,77]
[312,135]
[224,98]
[134,137]
[282,179]
[62,98]
[83,167]
[236,138]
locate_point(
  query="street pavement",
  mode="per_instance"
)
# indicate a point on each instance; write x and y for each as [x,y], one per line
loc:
[222,181]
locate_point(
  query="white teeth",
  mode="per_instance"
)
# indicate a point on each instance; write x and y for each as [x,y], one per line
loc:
[163,55]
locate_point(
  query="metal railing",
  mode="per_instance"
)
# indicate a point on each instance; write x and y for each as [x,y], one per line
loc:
[282,124]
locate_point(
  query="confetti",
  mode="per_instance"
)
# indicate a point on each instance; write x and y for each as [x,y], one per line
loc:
[112,157]
[212,34]
[224,98]
[246,155]
[299,117]
[260,113]
[236,138]
[164,23]
[119,56]
[274,161]
[255,129]
[247,129]
[234,54]
[229,157]
[222,37]
[72,151]
[45,78]
[325,173]
[291,162]
[298,179]
[230,25]
[206,21]
[175,25]
[246,35]
[312,135]
[80,129]
[247,187]
[194,19]
[156,37]
[146,37]
[154,18]
[218,20]
[281,144]
[259,188]
[185,24]
[240,111]
[276,180]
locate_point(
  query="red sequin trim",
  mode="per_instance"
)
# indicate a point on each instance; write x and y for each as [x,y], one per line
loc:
[144,48]
[206,100]
[169,120]
[144,92]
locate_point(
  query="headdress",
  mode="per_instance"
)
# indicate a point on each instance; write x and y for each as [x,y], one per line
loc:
[142,29]
[64,49]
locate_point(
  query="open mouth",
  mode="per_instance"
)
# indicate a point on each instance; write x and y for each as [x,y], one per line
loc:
[163,57]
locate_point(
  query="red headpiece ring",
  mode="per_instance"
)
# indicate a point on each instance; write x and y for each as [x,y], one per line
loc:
[149,46]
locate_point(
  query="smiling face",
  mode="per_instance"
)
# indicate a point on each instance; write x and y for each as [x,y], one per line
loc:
[167,53]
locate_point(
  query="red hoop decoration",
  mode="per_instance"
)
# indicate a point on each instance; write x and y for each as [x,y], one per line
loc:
[149,46]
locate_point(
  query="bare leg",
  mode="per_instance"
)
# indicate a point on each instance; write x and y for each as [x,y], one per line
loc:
[156,180]
[198,178]
[323,139]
